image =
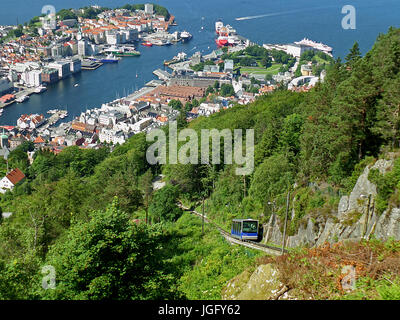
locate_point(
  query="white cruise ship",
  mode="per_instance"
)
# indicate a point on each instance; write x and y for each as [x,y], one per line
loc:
[317,45]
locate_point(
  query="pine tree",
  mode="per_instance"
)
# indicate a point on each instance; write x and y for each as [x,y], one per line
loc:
[354,55]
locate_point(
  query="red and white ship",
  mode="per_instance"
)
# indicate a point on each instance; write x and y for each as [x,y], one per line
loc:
[227,35]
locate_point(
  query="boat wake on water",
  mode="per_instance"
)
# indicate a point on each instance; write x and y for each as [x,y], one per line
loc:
[279,13]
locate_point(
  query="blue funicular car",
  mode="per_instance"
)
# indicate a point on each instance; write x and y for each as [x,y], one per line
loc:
[245,229]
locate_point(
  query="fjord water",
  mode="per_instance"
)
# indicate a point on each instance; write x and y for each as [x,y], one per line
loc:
[268,21]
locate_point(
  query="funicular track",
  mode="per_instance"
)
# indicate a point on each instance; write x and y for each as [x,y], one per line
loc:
[246,243]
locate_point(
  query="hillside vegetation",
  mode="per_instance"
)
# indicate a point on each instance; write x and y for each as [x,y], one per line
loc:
[84,211]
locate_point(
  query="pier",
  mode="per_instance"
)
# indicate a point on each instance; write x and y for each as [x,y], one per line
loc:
[162,75]
[25,92]
[90,65]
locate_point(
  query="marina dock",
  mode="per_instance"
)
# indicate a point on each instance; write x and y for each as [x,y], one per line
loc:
[90,65]
[25,92]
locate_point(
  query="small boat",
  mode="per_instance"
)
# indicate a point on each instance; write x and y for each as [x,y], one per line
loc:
[147,44]
[40,89]
[186,36]
[110,58]
[76,85]
[53,111]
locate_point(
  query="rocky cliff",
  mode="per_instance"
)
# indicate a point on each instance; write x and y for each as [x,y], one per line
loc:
[354,219]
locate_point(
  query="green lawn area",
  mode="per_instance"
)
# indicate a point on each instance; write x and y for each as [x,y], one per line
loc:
[321,61]
[274,69]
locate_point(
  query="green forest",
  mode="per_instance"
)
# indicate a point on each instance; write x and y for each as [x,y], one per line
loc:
[94,216]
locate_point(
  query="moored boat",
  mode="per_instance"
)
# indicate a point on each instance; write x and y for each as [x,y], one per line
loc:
[22,99]
[123,51]
[40,89]
[186,36]
[109,59]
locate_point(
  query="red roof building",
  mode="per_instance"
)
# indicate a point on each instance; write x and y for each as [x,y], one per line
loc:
[15,176]
[11,179]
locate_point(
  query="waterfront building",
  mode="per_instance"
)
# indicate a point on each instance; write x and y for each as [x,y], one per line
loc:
[32,121]
[113,37]
[75,65]
[50,75]
[13,76]
[196,58]
[63,68]
[20,67]
[7,98]
[296,50]
[129,35]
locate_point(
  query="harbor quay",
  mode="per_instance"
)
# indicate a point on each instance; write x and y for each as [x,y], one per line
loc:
[186,86]
[49,50]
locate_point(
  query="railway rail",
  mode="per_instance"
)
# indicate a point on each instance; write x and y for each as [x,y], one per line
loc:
[246,243]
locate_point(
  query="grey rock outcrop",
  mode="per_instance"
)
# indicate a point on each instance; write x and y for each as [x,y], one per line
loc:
[355,218]
[262,284]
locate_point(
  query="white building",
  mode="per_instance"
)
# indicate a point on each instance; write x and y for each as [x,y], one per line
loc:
[30,121]
[110,135]
[209,108]
[296,50]
[113,38]
[82,47]
[32,78]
